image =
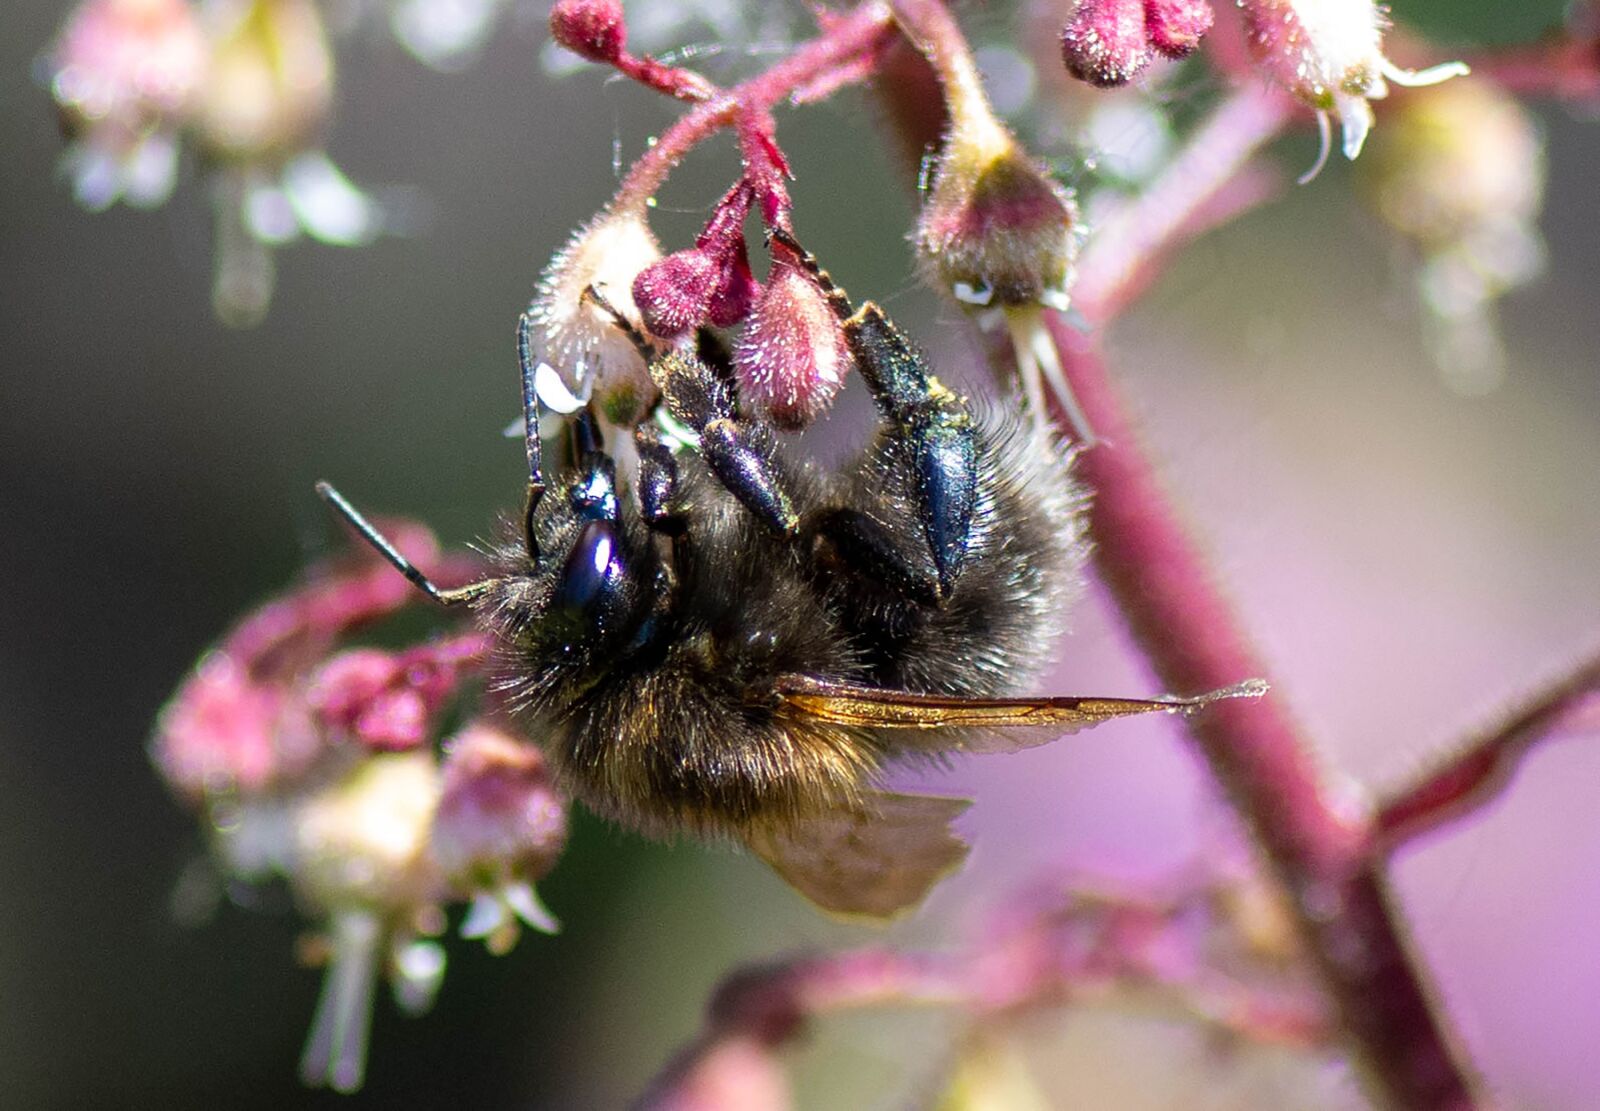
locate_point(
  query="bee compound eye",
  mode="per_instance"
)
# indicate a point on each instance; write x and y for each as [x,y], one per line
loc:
[592,578]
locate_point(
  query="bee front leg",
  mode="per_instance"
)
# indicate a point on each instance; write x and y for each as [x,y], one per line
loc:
[739,452]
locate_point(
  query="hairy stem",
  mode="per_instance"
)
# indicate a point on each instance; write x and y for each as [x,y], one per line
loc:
[840,44]
[1321,853]
[1469,779]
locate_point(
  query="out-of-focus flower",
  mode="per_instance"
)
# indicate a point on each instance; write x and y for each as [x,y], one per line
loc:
[281,746]
[445,34]
[259,117]
[499,828]
[578,338]
[1460,172]
[792,359]
[1329,55]
[125,75]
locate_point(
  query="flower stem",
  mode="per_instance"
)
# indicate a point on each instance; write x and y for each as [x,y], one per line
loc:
[1321,853]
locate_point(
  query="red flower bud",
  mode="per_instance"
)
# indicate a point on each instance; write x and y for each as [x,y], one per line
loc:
[737,293]
[792,358]
[1177,26]
[592,29]
[1106,43]
[674,295]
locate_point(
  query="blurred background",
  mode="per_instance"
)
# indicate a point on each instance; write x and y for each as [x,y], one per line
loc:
[1408,559]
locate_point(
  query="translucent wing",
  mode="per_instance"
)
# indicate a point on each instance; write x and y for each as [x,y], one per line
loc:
[938,722]
[877,862]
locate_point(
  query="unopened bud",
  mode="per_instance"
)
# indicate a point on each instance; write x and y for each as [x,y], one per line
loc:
[592,29]
[792,358]
[997,229]
[674,295]
[1177,26]
[1106,42]
[223,733]
[270,83]
[500,815]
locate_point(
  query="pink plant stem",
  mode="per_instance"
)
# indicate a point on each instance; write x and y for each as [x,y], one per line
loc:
[841,43]
[1471,778]
[1321,852]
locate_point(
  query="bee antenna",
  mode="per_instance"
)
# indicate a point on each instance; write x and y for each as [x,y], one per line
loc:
[646,349]
[388,551]
[530,432]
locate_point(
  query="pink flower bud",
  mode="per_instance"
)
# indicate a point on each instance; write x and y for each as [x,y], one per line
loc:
[674,295]
[129,61]
[1176,26]
[1106,42]
[592,29]
[224,733]
[389,701]
[792,358]
[737,294]
[499,815]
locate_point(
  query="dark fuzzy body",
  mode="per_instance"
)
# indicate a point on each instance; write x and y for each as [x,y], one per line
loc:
[667,720]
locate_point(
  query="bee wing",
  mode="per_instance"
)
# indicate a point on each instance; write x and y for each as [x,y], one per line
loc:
[877,862]
[948,723]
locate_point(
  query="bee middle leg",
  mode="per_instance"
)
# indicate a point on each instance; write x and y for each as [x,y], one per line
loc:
[932,429]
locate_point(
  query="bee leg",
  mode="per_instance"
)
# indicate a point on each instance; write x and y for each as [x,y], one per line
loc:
[932,429]
[931,424]
[658,492]
[863,546]
[739,452]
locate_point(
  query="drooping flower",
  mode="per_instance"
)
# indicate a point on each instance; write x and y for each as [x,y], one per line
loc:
[125,75]
[792,358]
[578,338]
[285,746]
[1001,235]
[498,829]
[1329,55]
[1460,174]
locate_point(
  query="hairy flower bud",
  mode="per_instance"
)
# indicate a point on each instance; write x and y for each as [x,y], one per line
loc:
[1177,26]
[1329,55]
[997,228]
[1106,42]
[270,83]
[577,338]
[592,29]
[674,295]
[792,358]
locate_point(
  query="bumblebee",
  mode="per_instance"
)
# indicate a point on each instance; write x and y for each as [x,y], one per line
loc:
[738,645]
